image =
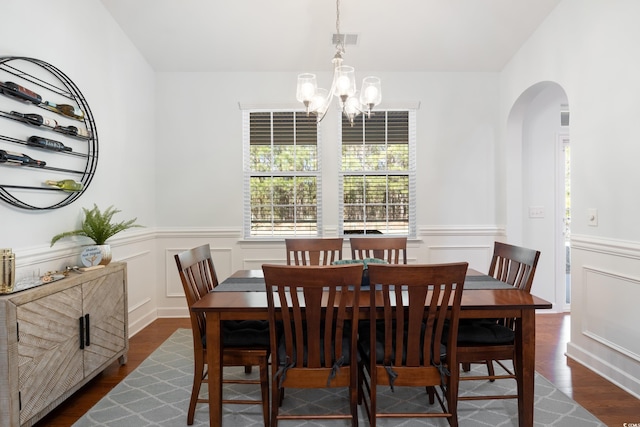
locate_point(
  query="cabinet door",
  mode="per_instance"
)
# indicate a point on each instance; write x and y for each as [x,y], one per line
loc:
[104,302]
[49,355]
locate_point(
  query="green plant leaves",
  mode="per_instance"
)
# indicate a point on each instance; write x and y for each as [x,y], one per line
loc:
[98,226]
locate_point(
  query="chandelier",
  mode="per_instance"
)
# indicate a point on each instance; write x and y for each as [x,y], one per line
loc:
[352,102]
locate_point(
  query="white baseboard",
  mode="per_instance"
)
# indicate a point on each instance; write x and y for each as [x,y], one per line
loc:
[606,370]
[141,322]
[173,312]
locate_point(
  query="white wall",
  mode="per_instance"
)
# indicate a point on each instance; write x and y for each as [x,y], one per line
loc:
[200,143]
[80,38]
[590,50]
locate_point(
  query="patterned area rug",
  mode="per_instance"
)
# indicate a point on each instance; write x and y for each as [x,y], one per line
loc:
[157,394]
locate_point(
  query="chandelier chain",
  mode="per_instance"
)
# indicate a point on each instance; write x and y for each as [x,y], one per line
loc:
[339,41]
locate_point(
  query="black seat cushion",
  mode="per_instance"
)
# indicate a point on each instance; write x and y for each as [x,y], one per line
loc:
[482,332]
[244,333]
[364,343]
[346,349]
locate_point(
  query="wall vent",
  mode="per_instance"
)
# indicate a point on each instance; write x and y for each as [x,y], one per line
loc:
[345,39]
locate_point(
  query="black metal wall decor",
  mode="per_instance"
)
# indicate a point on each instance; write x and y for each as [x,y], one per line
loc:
[48,136]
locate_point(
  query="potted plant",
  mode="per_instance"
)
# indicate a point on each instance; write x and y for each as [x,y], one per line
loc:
[98,226]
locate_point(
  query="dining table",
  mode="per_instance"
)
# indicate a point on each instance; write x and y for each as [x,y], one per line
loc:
[242,296]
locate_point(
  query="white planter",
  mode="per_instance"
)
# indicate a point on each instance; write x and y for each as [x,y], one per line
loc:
[96,255]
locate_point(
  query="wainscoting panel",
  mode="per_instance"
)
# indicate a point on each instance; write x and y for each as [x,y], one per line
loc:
[605,295]
[139,252]
[601,291]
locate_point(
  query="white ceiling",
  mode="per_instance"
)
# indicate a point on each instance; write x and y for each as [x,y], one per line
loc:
[295,35]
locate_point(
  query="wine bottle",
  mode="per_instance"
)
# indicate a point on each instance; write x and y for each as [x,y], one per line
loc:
[66,185]
[20,159]
[17,91]
[35,119]
[65,110]
[48,144]
[72,130]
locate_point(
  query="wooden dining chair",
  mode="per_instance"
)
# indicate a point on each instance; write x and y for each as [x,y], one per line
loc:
[313,251]
[400,344]
[246,343]
[492,341]
[312,312]
[391,249]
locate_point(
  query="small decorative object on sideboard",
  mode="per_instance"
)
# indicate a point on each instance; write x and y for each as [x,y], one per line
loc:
[98,226]
[7,270]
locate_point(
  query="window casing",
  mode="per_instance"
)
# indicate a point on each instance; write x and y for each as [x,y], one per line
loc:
[282,188]
[377,174]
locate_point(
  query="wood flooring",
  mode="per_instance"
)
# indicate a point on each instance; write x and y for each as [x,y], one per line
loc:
[606,401]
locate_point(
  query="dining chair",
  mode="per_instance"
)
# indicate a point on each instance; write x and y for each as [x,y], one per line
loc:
[313,251]
[391,249]
[493,340]
[246,343]
[400,344]
[313,333]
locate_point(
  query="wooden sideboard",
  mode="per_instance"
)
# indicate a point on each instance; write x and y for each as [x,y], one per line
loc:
[56,337]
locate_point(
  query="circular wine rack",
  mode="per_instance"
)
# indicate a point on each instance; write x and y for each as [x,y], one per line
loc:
[23,185]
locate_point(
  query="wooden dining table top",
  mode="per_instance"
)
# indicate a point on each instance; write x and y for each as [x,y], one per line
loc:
[504,299]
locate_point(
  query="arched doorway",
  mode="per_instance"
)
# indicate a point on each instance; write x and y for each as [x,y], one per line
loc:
[535,187]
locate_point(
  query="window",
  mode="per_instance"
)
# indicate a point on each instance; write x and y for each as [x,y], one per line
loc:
[377,174]
[282,174]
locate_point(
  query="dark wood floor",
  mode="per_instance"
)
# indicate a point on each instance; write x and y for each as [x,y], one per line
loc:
[608,402]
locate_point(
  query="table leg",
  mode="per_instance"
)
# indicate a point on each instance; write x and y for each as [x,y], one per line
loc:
[214,368]
[525,366]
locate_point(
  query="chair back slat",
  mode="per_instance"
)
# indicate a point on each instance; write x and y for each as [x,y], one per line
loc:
[514,265]
[415,300]
[313,251]
[391,249]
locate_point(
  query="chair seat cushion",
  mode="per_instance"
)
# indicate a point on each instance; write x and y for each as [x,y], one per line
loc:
[484,332]
[364,343]
[346,350]
[244,333]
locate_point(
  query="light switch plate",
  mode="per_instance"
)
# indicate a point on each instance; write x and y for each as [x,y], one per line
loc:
[592,217]
[536,211]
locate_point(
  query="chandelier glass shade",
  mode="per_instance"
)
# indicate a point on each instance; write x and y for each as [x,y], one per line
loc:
[352,102]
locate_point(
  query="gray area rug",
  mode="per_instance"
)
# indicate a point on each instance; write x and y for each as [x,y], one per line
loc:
[157,394]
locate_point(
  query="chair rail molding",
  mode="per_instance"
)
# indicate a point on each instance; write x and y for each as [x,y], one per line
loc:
[198,232]
[463,230]
[614,247]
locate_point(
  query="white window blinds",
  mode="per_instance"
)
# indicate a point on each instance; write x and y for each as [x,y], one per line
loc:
[282,174]
[377,174]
